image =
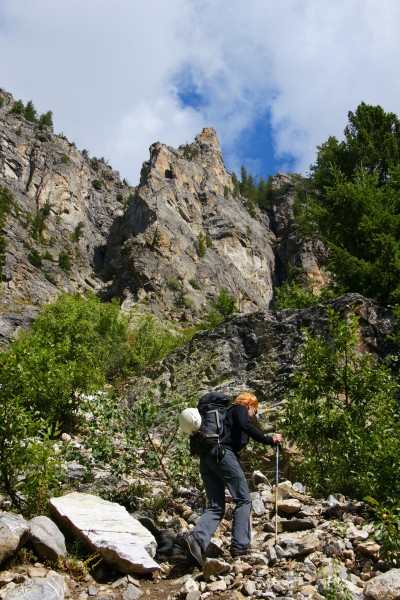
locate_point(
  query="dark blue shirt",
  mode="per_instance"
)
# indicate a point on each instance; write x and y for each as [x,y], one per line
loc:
[239,428]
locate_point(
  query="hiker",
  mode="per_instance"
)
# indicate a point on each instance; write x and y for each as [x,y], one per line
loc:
[227,472]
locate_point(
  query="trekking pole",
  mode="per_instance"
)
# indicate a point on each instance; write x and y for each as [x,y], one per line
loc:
[276,492]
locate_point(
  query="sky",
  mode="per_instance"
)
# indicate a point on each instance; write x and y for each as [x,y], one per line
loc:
[275,78]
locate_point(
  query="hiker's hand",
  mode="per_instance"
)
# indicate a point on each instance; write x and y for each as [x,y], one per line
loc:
[277,438]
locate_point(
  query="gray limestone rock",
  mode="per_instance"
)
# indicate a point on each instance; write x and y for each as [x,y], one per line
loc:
[214,566]
[52,587]
[47,539]
[14,531]
[386,585]
[108,529]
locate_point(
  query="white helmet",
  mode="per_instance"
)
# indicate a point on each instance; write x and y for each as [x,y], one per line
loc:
[190,420]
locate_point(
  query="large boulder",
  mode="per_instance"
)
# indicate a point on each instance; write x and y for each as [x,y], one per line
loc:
[47,539]
[385,586]
[52,587]
[14,531]
[108,529]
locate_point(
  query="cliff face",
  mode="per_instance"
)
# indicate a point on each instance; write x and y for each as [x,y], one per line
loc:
[185,236]
[64,205]
[171,245]
[260,351]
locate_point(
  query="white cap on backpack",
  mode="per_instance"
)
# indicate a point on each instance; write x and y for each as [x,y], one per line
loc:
[190,420]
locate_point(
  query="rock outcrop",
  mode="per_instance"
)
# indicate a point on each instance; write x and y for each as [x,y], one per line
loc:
[58,221]
[259,351]
[293,254]
[186,236]
[170,246]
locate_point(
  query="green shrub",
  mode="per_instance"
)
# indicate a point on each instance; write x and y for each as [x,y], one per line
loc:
[67,352]
[78,232]
[298,292]
[223,306]
[251,207]
[174,284]
[343,414]
[30,470]
[190,151]
[386,519]
[65,158]
[38,224]
[17,108]
[154,425]
[224,303]
[152,341]
[35,258]
[46,119]
[201,244]
[97,184]
[65,260]
[48,256]
[195,284]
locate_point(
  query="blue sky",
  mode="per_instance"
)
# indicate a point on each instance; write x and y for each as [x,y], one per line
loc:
[274,78]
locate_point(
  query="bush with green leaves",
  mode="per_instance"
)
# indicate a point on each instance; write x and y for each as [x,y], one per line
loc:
[152,341]
[73,347]
[220,308]
[97,184]
[30,467]
[204,241]
[65,260]
[35,258]
[298,292]
[386,519]
[78,232]
[153,422]
[102,426]
[343,415]
[140,436]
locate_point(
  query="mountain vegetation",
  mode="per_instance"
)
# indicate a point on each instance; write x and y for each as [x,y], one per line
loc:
[342,405]
[353,205]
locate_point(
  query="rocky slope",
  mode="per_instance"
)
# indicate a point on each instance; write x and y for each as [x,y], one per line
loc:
[185,236]
[259,351]
[172,245]
[324,548]
[64,205]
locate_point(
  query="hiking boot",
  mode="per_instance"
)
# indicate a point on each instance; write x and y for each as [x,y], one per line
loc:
[238,552]
[192,550]
[244,552]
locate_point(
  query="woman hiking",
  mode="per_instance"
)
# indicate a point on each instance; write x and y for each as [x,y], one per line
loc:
[227,472]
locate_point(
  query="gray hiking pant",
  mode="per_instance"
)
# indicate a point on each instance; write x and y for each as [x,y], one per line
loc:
[215,476]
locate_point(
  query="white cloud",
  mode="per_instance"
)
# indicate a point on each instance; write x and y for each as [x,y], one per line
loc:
[109,71]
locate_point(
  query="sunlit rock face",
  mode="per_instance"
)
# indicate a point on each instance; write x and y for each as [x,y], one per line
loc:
[64,202]
[169,246]
[185,236]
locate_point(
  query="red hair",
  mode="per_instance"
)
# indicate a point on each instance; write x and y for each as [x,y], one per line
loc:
[247,399]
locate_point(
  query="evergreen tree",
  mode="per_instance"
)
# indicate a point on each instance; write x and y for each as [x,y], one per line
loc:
[372,140]
[17,108]
[30,113]
[46,119]
[355,207]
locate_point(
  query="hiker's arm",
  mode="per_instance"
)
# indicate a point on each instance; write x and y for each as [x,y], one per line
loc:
[248,427]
